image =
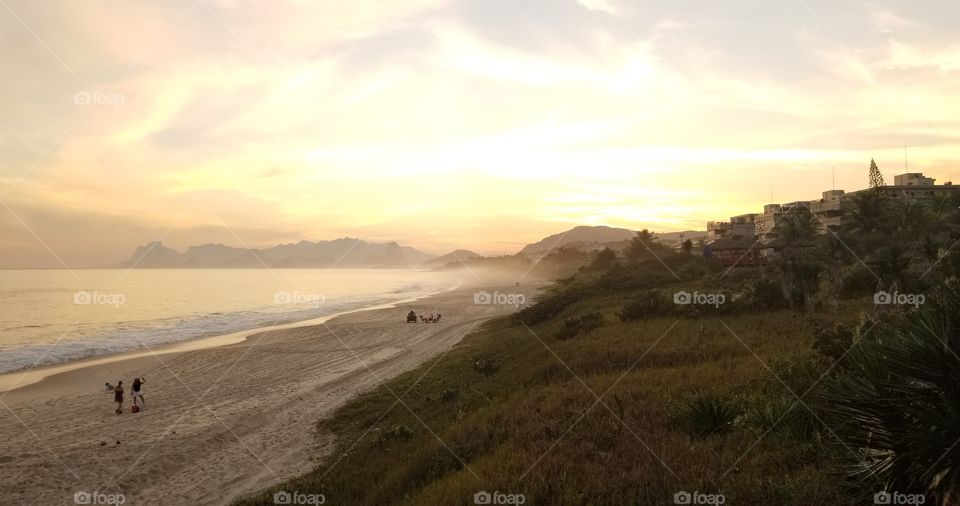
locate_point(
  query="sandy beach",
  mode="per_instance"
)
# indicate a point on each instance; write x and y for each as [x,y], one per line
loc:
[220,422]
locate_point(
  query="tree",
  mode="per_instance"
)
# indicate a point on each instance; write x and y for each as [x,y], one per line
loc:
[870,212]
[562,262]
[604,260]
[876,177]
[801,261]
[687,246]
[890,264]
[643,246]
[797,226]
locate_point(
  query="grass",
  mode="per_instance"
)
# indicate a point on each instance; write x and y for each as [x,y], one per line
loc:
[526,418]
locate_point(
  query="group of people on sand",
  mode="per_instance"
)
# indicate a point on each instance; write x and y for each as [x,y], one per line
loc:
[136,391]
[413,317]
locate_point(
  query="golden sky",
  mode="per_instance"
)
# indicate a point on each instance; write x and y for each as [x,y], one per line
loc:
[482,124]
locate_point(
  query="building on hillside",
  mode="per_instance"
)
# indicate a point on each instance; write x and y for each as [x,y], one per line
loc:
[912,187]
[739,251]
[717,230]
[913,179]
[765,224]
[829,210]
[770,250]
[917,188]
[743,225]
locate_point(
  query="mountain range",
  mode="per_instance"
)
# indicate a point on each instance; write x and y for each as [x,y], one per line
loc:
[349,252]
[345,252]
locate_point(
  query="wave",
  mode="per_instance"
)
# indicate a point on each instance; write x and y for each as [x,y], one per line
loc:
[79,341]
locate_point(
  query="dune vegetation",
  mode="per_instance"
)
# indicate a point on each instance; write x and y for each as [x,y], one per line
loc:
[656,376]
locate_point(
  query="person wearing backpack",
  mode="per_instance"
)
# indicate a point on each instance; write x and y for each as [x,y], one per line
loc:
[137,391]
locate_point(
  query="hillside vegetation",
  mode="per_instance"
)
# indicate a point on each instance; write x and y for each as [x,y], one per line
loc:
[658,376]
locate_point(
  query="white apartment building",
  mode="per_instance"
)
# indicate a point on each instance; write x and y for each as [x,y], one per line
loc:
[829,209]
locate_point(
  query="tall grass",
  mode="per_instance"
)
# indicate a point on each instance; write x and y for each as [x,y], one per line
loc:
[535,425]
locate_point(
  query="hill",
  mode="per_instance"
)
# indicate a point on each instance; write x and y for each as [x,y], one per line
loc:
[582,235]
[459,256]
[587,238]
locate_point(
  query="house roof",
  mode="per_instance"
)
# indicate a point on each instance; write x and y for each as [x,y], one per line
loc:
[726,243]
[778,243]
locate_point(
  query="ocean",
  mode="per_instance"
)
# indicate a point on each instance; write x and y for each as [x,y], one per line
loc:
[53,316]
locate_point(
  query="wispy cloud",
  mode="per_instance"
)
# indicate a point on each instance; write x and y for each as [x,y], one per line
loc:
[326,118]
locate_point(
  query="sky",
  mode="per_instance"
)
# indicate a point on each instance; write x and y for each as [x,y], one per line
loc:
[483,124]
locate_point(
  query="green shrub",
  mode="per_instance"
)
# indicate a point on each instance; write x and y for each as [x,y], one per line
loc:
[833,343]
[708,414]
[692,271]
[486,366]
[397,432]
[648,304]
[585,323]
[549,306]
[858,281]
[897,405]
[778,412]
[766,295]
[445,395]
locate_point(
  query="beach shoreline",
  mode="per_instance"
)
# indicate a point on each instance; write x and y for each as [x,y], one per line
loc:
[220,422]
[20,379]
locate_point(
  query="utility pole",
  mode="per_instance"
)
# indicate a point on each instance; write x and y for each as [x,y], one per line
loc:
[906,164]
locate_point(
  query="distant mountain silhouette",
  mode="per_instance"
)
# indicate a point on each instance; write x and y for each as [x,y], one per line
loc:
[581,234]
[589,238]
[345,252]
[454,257]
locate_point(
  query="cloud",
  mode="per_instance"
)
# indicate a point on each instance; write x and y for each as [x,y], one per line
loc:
[608,6]
[322,118]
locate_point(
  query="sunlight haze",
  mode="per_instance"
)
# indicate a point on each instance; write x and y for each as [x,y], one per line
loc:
[450,124]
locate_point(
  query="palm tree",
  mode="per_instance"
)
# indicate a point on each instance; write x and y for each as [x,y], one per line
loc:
[897,406]
[890,264]
[869,214]
[801,262]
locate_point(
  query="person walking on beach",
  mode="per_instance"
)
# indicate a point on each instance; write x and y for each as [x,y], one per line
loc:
[118,396]
[136,391]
